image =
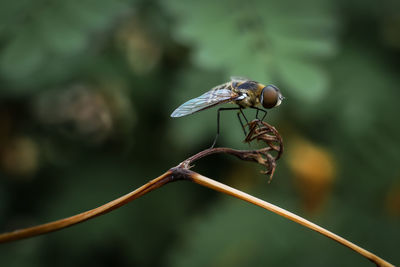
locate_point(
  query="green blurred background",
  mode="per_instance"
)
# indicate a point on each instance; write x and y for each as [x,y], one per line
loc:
[86,90]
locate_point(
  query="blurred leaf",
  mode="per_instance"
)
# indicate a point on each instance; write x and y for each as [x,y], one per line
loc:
[142,47]
[59,33]
[22,57]
[263,40]
[45,36]
[311,83]
[362,125]
[317,47]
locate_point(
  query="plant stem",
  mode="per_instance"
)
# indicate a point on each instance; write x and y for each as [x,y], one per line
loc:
[175,174]
[84,216]
[207,182]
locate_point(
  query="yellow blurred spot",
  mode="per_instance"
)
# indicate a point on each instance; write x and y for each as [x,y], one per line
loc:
[244,176]
[142,49]
[393,201]
[20,156]
[314,171]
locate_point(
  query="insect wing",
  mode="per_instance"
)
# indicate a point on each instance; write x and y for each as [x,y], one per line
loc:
[239,79]
[206,100]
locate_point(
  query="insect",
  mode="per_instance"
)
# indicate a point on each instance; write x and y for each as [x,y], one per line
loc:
[241,91]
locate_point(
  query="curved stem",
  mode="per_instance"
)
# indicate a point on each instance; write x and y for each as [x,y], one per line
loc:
[81,217]
[174,174]
[207,182]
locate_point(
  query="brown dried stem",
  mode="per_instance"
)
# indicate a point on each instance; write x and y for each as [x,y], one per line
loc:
[84,216]
[259,131]
[217,186]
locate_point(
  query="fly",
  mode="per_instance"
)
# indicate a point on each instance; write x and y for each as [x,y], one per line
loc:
[243,92]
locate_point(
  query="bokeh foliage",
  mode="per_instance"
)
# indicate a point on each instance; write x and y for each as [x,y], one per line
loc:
[262,39]
[86,91]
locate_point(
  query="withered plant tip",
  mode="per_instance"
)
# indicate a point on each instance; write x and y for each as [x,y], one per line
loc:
[267,156]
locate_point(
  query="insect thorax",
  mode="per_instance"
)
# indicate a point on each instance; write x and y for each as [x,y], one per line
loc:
[250,91]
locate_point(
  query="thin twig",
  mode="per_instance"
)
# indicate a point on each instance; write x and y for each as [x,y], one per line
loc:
[259,131]
[175,174]
[84,216]
[207,182]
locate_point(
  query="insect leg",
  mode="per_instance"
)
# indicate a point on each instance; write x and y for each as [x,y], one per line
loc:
[241,111]
[218,115]
[241,123]
[265,114]
[259,109]
[247,121]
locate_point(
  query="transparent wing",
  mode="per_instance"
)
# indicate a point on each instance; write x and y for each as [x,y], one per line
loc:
[207,100]
[239,79]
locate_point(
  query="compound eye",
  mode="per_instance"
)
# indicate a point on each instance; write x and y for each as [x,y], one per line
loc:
[270,97]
